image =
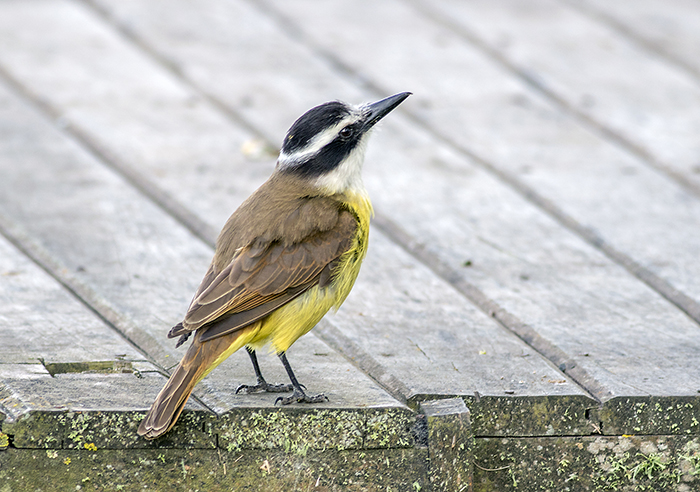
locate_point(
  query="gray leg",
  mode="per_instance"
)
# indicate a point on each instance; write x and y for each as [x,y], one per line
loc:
[262,384]
[299,396]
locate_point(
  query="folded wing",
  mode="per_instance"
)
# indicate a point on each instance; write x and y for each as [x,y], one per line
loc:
[264,276]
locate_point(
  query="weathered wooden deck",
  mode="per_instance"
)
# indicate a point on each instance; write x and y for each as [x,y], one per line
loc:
[536,249]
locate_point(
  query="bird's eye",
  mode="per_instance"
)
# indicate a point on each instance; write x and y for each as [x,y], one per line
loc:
[345,132]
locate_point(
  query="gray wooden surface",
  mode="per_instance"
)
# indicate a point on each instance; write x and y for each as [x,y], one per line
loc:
[537,235]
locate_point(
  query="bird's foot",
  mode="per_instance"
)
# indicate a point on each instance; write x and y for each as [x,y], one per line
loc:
[300,397]
[263,386]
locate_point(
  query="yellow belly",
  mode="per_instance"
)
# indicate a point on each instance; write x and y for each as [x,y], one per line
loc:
[285,325]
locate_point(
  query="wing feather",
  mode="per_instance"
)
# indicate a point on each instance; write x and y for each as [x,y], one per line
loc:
[264,276]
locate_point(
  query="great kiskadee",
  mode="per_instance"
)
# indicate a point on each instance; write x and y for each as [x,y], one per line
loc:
[286,256]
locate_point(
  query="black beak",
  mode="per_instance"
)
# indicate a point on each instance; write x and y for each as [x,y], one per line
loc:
[379,109]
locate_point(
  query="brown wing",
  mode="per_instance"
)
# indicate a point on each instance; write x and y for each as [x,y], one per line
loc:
[263,277]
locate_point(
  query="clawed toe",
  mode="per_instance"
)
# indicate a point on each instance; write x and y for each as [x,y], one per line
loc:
[301,397]
[264,387]
[279,388]
[297,397]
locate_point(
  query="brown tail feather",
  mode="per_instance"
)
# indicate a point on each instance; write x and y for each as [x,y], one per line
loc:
[172,398]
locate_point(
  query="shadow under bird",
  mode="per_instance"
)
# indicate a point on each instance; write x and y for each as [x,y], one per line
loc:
[287,255]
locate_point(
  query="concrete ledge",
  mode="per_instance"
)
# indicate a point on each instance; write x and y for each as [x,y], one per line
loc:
[450,444]
[624,463]
[213,470]
[511,416]
[653,415]
[248,449]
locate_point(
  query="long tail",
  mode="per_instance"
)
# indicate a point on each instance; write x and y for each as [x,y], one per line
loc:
[198,361]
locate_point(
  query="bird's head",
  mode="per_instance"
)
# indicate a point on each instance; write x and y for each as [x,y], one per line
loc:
[326,145]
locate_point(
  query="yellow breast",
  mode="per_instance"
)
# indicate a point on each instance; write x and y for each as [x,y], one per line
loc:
[284,326]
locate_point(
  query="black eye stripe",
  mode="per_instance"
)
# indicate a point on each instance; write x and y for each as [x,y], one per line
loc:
[306,159]
[327,159]
[312,123]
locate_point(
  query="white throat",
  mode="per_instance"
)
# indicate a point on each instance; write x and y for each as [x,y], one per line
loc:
[347,176]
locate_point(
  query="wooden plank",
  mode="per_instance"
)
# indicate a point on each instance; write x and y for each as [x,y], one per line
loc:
[58,358]
[576,293]
[262,85]
[69,410]
[175,154]
[634,96]
[669,28]
[498,364]
[62,386]
[120,244]
[41,321]
[72,411]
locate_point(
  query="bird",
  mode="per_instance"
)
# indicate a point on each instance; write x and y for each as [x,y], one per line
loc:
[284,258]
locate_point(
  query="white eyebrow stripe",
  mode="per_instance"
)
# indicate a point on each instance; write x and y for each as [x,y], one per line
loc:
[317,143]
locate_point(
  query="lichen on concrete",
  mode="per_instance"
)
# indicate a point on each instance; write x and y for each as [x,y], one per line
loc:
[388,428]
[104,429]
[290,430]
[212,470]
[622,463]
[450,444]
[44,429]
[678,415]
[299,431]
[531,416]
[117,430]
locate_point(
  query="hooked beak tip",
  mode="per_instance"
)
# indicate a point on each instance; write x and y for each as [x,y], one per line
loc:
[379,109]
